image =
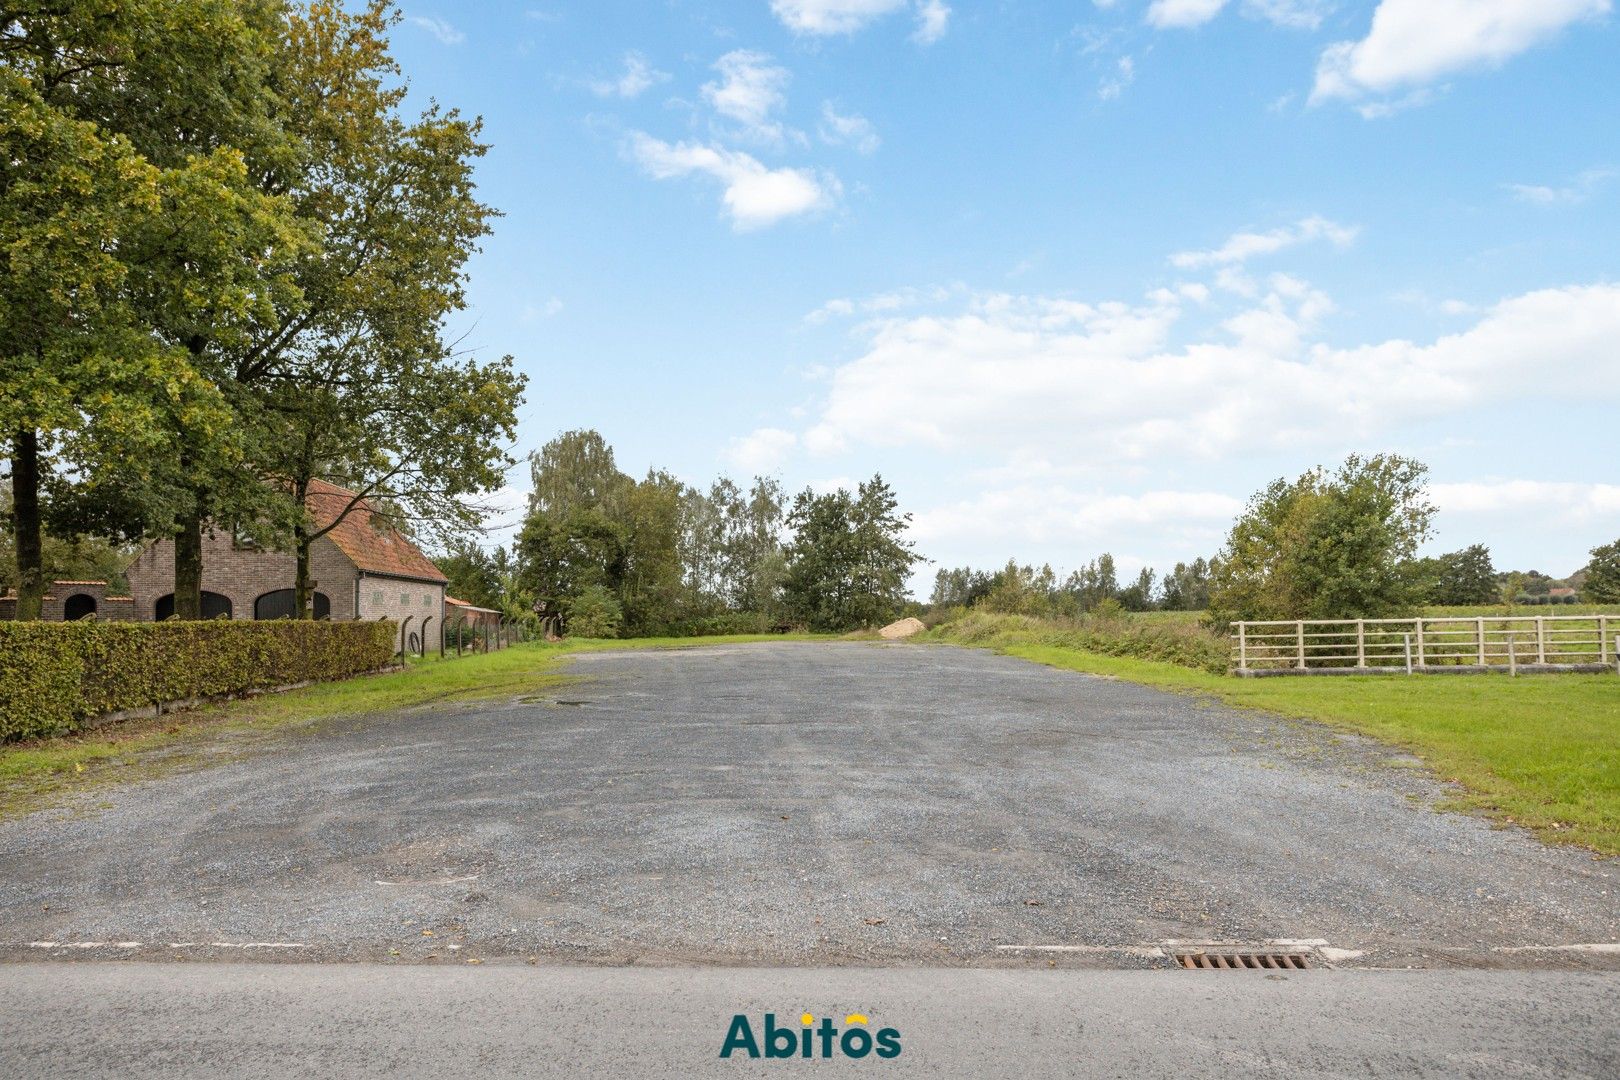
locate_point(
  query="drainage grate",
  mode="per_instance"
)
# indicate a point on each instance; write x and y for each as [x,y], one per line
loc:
[1250,961]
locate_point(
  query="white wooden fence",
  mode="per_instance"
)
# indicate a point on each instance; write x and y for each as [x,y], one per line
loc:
[1510,643]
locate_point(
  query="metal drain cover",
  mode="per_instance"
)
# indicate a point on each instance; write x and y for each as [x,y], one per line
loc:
[1241,960]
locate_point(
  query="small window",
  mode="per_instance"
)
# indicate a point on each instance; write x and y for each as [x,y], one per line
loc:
[404,599]
[376,597]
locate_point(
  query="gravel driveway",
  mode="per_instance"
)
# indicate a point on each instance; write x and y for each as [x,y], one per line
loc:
[802,804]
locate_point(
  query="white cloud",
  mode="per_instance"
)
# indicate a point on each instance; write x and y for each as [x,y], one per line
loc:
[761,451]
[637,78]
[933,18]
[544,310]
[1241,247]
[1039,514]
[1183,14]
[1584,185]
[831,16]
[1115,84]
[880,303]
[1571,502]
[825,17]
[1040,376]
[439,28]
[1415,42]
[749,90]
[1293,14]
[853,130]
[754,195]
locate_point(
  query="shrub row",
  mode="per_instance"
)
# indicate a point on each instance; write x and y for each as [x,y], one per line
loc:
[1170,641]
[56,676]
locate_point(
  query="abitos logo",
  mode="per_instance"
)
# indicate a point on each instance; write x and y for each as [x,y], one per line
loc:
[810,1039]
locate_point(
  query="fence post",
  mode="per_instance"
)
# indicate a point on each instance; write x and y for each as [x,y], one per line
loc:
[1541,639]
[1299,639]
[1243,647]
[1513,654]
[1423,659]
[1361,643]
[1603,627]
[1408,638]
[1481,625]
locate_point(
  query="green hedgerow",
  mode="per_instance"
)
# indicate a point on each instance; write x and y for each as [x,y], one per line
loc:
[56,676]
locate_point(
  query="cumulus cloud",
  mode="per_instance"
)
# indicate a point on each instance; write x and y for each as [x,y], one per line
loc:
[1569,501]
[1035,514]
[1183,14]
[1123,75]
[852,130]
[750,88]
[636,79]
[825,17]
[1032,376]
[761,451]
[1412,43]
[439,28]
[1584,185]
[933,18]
[754,195]
[1243,246]
[1293,14]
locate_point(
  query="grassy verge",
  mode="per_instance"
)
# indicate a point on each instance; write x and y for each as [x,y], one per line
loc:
[40,772]
[1540,751]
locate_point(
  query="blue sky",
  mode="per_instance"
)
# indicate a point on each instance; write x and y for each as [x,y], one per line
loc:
[1076,277]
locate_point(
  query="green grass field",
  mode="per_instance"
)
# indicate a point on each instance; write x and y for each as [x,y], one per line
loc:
[1539,751]
[37,773]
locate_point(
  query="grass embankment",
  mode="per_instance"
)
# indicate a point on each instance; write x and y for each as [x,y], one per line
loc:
[1542,751]
[38,772]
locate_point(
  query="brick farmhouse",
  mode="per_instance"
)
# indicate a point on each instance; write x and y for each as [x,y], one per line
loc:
[362,568]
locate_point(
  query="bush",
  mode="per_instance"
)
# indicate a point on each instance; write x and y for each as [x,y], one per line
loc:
[55,676]
[594,613]
[1120,634]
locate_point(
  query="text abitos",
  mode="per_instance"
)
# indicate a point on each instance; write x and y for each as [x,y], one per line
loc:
[810,1039]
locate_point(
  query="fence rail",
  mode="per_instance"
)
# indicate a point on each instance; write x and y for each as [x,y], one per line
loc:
[1457,644]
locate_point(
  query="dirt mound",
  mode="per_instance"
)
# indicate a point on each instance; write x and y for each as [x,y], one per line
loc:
[903,628]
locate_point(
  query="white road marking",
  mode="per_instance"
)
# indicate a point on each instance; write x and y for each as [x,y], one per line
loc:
[435,881]
[1586,947]
[159,945]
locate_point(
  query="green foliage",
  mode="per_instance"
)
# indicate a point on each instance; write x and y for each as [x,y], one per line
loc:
[1110,631]
[1328,545]
[671,555]
[594,613]
[1603,575]
[55,676]
[849,560]
[1459,578]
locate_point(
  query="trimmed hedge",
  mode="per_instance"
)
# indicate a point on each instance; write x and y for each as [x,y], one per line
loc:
[56,676]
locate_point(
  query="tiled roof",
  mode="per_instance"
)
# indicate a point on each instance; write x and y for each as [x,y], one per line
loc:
[369,542]
[468,605]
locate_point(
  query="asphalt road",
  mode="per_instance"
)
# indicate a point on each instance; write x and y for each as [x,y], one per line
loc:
[130,1021]
[802,805]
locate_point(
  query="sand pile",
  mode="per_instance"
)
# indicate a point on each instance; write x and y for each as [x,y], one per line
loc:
[903,628]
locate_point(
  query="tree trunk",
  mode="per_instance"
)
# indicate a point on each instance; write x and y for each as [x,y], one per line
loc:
[188,563]
[301,583]
[26,523]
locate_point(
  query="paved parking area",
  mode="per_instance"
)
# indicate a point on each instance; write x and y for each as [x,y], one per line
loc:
[800,804]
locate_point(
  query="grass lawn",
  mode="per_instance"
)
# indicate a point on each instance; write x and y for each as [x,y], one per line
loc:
[39,772]
[1542,751]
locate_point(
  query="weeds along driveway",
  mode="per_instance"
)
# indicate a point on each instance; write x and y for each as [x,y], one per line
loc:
[799,803]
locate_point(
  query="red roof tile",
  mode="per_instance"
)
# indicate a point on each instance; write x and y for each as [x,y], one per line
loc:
[366,538]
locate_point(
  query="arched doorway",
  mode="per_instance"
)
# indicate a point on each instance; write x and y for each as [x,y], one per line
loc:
[78,606]
[214,606]
[280,604]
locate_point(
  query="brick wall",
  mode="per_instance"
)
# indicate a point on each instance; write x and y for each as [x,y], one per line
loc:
[53,607]
[395,598]
[242,574]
